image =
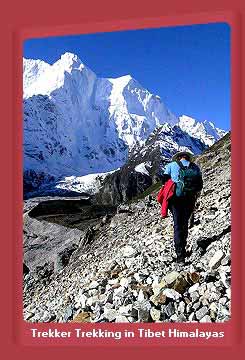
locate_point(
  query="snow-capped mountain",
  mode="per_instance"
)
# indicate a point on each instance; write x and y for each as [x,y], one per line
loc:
[205,131]
[168,140]
[135,110]
[77,124]
[65,131]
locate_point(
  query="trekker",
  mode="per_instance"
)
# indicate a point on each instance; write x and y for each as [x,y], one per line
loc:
[188,183]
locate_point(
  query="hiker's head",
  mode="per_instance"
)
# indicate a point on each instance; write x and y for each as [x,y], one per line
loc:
[182,155]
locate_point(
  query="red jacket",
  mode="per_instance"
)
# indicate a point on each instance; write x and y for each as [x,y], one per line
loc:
[164,195]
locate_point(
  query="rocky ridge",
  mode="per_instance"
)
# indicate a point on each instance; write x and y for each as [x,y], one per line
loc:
[122,268]
[142,167]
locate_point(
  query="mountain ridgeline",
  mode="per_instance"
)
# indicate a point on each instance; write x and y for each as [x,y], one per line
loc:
[76,124]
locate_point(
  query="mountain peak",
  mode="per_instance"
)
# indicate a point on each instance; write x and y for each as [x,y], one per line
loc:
[209,123]
[70,58]
[70,61]
[127,77]
[121,81]
[203,130]
[69,55]
[187,119]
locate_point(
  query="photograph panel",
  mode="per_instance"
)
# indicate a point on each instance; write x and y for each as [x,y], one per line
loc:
[127,176]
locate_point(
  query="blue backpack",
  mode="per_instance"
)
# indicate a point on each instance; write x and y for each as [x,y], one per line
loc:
[189,181]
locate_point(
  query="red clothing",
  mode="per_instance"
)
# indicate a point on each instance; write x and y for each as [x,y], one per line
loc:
[164,195]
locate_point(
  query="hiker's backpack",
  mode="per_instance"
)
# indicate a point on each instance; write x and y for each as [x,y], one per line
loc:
[189,181]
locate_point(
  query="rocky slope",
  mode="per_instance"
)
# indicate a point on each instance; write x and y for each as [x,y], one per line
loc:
[119,267]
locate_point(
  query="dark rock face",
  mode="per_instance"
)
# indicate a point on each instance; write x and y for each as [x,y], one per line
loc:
[122,186]
[59,206]
[33,180]
[119,266]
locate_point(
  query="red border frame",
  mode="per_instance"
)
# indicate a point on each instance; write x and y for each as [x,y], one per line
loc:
[23,20]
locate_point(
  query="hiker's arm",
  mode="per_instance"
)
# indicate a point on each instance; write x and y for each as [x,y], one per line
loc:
[165,178]
[164,175]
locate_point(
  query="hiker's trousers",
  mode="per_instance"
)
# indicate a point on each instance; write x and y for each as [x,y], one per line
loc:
[181,209]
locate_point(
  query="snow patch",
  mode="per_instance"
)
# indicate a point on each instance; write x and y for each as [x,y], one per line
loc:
[143,168]
[89,184]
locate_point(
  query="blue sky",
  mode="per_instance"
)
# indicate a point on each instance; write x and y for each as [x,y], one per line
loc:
[187,66]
